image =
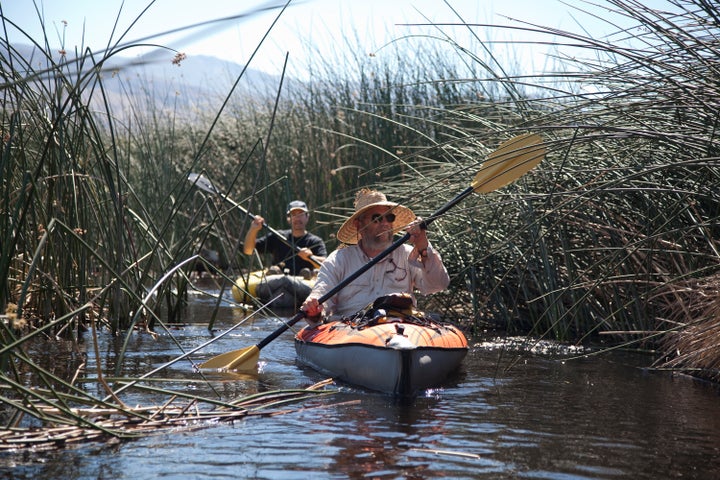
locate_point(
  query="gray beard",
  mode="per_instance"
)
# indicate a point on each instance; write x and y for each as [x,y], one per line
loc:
[379,242]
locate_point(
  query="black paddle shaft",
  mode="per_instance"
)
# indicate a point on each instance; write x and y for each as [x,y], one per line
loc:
[301,314]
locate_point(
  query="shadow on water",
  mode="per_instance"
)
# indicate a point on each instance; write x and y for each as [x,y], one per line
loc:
[504,415]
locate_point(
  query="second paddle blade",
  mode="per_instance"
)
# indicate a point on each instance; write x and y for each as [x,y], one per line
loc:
[510,161]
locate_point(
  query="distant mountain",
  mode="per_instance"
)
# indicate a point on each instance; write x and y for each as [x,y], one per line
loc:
[191,80]
[196,72]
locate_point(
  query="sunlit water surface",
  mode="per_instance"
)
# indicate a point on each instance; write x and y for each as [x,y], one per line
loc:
[504,415]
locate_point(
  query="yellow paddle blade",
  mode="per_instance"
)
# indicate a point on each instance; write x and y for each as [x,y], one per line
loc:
[243,359]
[510,161]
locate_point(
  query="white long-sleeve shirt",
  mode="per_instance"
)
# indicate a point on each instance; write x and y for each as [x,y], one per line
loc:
[393,274]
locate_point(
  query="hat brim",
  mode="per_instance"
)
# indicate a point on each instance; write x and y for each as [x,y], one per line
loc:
[348,233]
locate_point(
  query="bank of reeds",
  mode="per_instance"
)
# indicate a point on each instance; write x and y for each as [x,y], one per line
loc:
[615,239]
[100,235]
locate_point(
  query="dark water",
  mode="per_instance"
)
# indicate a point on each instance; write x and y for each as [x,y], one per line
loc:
[505,415]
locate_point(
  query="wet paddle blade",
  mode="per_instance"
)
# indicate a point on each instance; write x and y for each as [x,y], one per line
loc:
[510,161]
[245,359]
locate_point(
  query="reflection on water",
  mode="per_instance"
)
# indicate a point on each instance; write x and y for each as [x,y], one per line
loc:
[505,415]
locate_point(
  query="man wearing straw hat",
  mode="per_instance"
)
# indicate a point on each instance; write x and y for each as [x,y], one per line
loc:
[367,233]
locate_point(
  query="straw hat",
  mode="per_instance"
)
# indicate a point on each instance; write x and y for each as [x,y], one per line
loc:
[364,200]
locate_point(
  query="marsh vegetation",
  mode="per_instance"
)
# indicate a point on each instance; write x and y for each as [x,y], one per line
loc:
[612,239]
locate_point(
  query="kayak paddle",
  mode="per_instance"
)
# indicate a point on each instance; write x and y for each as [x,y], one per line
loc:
[510,161]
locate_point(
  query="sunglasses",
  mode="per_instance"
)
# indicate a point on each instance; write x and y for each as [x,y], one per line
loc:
[377,217]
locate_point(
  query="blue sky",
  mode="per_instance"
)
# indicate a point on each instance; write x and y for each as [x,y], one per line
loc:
[307,27]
